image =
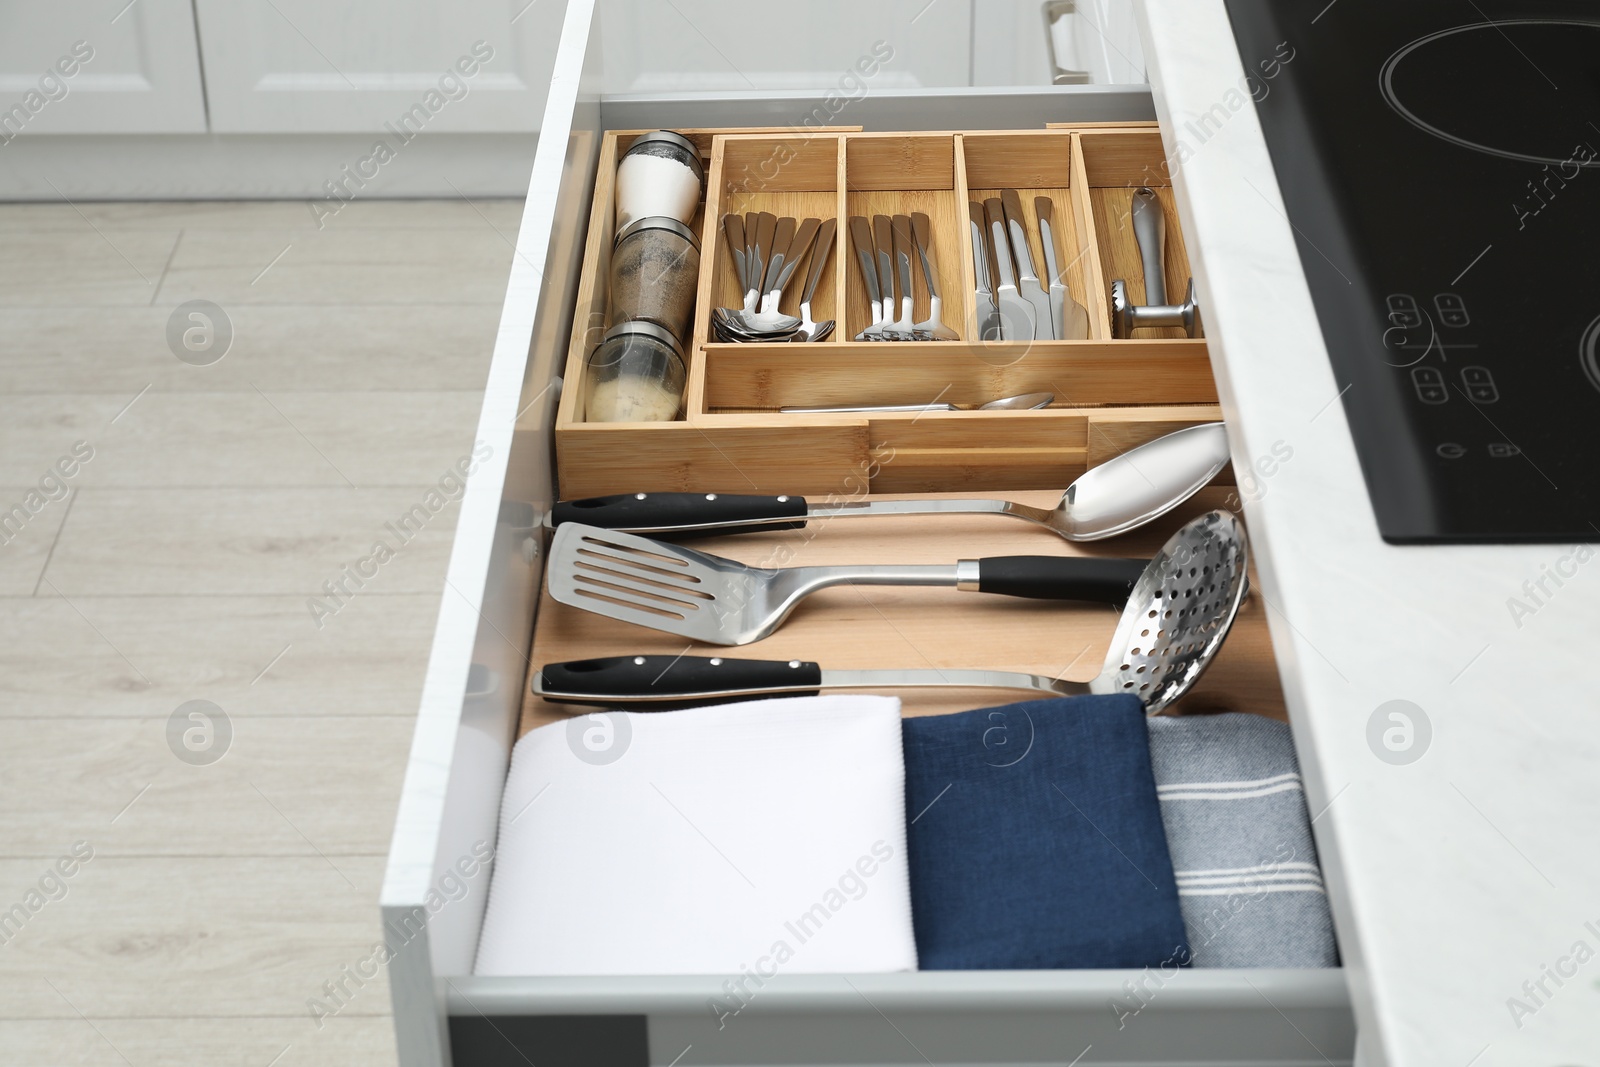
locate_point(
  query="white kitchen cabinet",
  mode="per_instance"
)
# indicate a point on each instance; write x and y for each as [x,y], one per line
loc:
[366,66]
[744,45]
[134,68]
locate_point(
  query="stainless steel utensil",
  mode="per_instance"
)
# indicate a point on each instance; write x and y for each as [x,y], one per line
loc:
[1017,320]
[1020,402]
[760,239]
[1028,284]
[901,328]
[1173,623]
[810,329]
[724,602]
[883,240]
[930,328]
[1071,318]
[988,312]
[759,229]
[782,254]
[861,242]
[1127,316]
[752,270]
[733,230]
[1119,495]
[1150,230]
[782,237]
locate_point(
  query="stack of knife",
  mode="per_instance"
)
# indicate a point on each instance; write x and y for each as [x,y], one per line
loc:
[1015,302]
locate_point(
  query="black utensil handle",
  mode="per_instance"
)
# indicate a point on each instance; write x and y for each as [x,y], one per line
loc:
[673,678]
[1107,581]
[643,511]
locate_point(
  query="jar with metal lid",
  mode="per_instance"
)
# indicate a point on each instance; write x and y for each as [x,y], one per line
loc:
[660,174]
[655,268]
[636,374]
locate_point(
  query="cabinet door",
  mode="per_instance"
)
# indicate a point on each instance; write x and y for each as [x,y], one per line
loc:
[356,66]
[742,45]
[134,68]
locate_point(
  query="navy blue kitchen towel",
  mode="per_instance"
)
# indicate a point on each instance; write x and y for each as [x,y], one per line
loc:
[1035,839]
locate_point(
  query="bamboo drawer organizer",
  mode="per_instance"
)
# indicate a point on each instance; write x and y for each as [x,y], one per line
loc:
[1110,394]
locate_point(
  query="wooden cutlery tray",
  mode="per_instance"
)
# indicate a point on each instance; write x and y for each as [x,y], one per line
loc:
[1110,394]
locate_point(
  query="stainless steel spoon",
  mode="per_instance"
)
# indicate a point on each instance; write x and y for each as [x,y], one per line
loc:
[810,329]
[1119,495]
[780,248]
[789,247]
[1020,402]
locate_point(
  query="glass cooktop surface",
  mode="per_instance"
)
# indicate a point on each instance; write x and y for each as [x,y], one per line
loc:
[1441,166]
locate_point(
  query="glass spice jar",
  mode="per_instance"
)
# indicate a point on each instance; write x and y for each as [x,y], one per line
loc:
[659,174]
[655,267]
[635,374]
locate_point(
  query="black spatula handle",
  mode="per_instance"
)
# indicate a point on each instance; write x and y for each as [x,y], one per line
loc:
[1107,581]
[647,511]
[623,680]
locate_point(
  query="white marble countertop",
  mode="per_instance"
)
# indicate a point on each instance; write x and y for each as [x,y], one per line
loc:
[1465,882]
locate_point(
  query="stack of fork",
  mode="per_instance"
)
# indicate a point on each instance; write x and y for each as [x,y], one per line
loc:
[883,252]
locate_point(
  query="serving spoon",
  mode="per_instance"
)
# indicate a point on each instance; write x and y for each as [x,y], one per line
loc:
[1119,495]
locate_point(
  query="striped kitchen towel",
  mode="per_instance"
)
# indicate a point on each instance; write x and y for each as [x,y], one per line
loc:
[1240,837]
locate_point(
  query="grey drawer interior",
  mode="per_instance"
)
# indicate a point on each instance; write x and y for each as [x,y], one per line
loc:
[478,668]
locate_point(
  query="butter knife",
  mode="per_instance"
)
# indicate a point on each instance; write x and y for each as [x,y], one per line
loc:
[988,312]
[1017,317]
[1071,317]
[1028,284]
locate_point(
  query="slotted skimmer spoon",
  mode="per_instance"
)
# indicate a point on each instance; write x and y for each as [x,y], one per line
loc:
[1123,493]
[1176,618]
[724,602]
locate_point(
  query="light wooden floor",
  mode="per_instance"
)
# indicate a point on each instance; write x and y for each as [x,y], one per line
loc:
[219,498]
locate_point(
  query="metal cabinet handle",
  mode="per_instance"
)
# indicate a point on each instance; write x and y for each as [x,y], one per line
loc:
[1059,75]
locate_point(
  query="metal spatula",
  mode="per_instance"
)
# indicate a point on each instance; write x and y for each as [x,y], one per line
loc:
[1171,627]
[724,602]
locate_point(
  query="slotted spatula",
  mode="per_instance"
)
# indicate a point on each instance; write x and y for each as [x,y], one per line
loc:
[723,602]
[1171,628]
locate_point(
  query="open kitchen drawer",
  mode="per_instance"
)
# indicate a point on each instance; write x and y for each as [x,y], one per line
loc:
[477,675]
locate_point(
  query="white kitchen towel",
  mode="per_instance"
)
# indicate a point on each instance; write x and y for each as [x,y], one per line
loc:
[1239,834]
[753,838]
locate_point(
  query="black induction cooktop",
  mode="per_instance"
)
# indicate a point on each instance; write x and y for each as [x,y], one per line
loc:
[1440,162]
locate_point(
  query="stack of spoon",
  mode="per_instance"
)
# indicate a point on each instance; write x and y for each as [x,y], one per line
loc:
[766,253]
